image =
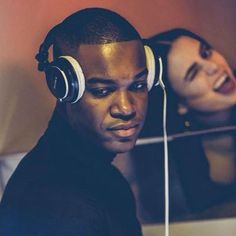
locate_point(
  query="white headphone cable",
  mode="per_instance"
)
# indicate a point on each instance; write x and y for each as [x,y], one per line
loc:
[166,167]
[166,162]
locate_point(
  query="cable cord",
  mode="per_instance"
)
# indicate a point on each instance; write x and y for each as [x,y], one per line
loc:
[166,162]
[166,167]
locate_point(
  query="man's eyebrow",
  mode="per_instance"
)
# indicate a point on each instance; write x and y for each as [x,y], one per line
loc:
[97,80]
[191,72]
[140,74]
[102,80]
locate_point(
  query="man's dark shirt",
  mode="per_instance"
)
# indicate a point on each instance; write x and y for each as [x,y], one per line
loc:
[65,186]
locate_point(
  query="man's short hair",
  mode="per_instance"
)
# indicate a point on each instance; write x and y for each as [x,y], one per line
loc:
[92,26]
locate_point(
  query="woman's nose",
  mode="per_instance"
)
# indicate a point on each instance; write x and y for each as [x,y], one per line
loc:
[123,106]
[210,67]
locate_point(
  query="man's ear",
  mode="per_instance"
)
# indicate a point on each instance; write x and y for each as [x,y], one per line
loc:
[182,109]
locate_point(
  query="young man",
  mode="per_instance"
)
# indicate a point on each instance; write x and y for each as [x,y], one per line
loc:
[66,185]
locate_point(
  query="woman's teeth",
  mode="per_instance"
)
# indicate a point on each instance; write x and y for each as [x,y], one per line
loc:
[220,81]
[225,85]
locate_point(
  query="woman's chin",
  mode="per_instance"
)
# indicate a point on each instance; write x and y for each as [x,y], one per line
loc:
[214,118]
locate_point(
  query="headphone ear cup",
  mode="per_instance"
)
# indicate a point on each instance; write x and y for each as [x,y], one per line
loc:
[151,66]
[65,79]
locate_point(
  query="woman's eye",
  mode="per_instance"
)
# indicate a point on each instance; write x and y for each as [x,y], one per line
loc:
[206,52]
[139,86]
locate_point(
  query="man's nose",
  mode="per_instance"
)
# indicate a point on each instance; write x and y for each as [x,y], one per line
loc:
[210,67]
[123,106]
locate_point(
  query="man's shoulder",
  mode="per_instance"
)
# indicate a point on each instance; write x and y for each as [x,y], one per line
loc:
[50,202]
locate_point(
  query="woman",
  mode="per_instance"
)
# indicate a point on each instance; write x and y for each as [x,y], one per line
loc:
[201,90]
[199,75]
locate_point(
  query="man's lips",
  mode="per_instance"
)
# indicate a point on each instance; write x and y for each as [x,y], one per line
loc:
[124,131]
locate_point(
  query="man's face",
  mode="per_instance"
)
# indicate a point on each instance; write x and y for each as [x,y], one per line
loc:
[112,109]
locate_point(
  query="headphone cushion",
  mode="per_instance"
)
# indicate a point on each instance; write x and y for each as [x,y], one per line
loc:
[62,80]
[150,60]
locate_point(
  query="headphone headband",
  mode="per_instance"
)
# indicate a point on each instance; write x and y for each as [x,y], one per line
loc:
[42,55]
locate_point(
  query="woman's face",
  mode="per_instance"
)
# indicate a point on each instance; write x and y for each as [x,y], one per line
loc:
[201,76]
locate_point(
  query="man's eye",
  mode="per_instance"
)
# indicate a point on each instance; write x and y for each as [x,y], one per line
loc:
[100,92]
[139,86]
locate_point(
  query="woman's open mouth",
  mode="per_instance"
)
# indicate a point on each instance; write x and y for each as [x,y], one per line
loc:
[225,85]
